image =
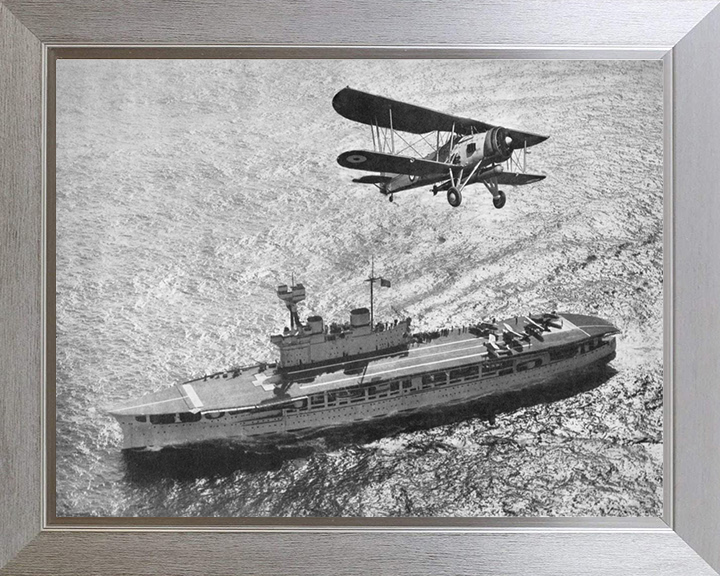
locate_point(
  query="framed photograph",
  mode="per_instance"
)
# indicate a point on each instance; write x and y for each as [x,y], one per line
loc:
[469,367]
[417,298]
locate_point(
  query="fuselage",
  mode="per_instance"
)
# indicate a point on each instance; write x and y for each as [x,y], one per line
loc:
[467,152]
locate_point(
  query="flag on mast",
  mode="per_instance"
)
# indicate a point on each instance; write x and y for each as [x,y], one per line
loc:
[384,283]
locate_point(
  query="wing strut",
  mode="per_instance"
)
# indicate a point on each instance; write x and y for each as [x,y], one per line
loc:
[472,173]
[518,160]
[392,133]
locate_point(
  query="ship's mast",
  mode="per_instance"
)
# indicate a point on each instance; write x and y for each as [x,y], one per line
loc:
[291,296]
[292,308]
[372,280]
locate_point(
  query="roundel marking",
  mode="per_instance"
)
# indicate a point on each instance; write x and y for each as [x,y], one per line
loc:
[356,159]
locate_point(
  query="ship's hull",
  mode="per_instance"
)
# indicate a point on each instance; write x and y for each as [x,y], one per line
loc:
[423,393]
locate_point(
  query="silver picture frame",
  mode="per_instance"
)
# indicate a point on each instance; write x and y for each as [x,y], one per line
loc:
[684,34]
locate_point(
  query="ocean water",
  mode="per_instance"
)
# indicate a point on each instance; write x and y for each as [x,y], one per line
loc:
[188,190]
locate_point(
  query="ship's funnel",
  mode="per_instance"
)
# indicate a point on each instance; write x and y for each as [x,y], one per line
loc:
[316,324]
[359,317]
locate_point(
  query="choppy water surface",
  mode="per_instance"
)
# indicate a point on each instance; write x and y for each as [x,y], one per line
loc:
[187,190]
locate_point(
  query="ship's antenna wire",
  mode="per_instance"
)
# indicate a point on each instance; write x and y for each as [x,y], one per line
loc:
[372,279]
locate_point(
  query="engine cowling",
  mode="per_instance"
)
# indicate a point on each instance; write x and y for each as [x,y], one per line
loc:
[498,145]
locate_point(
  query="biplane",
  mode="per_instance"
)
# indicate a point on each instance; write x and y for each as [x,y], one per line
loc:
[463,151]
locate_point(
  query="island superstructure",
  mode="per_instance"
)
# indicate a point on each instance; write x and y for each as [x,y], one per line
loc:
[346,373]
[316,344]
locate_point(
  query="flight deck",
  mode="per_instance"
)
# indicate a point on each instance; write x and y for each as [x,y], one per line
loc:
[265,385]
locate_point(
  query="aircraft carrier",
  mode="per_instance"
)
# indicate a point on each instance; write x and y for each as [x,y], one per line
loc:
[341,374]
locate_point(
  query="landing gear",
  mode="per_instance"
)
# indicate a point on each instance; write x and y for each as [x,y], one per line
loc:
[391,198]
[454,197]
[499,200]
[498,195]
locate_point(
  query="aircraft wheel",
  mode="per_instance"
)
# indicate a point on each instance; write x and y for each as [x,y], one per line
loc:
[499,200]
[454,197]
[391,198]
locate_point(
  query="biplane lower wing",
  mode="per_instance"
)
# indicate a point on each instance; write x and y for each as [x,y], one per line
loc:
[388,163]
[517,178]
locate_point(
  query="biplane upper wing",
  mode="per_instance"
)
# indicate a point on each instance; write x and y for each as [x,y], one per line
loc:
[380,162]
[374,110]
[523,139]
[387,113]
[517,178]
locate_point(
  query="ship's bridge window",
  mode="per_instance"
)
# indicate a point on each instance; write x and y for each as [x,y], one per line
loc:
[317,399]
[434,379]
[467,372]
[356,394]
[190,417]
[141,418]
[496,365]
[522,366]
[594,343]
[563,353]
[353,393]
[214,415]
[162,418]
[380,387]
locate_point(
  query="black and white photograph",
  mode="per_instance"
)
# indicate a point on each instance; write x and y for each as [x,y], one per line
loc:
[359,288]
